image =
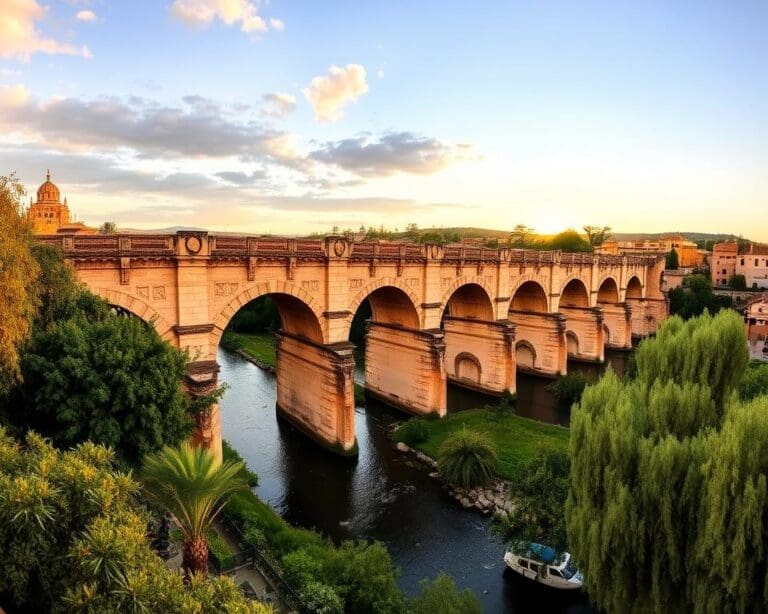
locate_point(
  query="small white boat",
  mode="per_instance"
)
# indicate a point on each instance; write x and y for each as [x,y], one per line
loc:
[543,564]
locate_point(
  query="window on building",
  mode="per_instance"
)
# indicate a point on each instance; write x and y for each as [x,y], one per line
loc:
[742,262]
[755,261]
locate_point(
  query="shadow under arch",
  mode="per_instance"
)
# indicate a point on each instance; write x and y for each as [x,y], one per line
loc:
[574,294]
[530,296]
[608,293]
[634,288]
[469,300]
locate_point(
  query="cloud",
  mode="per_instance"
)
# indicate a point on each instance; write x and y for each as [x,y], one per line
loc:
[199,13]
[329,94]
[20,38]
[204,130]
[278,104]
[394,152]
[10,72]
[88,16]
[277,24]
[240,178]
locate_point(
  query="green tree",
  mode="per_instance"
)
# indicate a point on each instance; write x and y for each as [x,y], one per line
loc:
[737,282]
[467,458]
[109,379]
[108,228]
[568,241]
[188,482]
[59,292]
[364,577]
[540,497]
[672,260]
[754,383]
[695,296]
[568,389]
[18,270]
[72,542]
[666,511]
[521,236]
[440,595]
[597,235]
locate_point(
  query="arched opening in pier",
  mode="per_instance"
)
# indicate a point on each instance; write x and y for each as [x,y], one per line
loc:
[470,301]
[530,296]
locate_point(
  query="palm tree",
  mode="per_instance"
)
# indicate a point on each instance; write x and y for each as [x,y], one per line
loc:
[188,483]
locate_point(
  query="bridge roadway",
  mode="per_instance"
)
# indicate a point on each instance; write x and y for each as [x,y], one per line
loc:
[471,315]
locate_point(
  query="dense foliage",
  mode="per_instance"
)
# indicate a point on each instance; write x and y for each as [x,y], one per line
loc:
[737,282]
[672,260]
[695,296]
[568,388]
[190,484]
[539,496]
[18,272]
[754,383]
[71,541]
[108,379]
[440,595]
[259,316]
[467,458]
[668,503]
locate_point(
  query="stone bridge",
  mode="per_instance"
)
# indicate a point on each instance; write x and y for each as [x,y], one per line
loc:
[470,315]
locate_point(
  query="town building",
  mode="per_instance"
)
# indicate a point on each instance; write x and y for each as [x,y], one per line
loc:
[50,216]
[752,264]
[756,323]
[688,253]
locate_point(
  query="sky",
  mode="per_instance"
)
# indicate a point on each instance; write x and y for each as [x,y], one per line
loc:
[291,117]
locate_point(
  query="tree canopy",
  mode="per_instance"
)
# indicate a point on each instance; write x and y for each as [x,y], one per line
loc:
[18,272]
[108,378]
[667,505]
[695,296]
[597,235]
[672,260]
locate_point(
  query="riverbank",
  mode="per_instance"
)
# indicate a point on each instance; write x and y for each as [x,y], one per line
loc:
[517,439]
[259,348]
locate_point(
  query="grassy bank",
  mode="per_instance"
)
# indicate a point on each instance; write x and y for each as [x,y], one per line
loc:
[517,439]
[259,346]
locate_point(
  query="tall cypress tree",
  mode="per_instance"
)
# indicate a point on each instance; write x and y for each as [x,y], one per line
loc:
[667,509]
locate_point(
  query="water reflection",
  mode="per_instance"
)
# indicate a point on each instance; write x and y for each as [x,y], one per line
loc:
[382,495]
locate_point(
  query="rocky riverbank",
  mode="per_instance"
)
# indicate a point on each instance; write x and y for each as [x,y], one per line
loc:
[490,500]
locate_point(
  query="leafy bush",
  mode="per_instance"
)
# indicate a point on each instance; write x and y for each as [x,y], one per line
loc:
[467,458]
[569,388]
[503,409]
[320,598]
[440,595]
[754,382]
[300,568]
[539,497]
[248,476]
[72,542]
[413,432]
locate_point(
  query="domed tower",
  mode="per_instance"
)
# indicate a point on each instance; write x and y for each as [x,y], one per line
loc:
[48,214]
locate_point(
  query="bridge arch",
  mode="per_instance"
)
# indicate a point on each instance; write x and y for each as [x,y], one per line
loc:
[608,293]
[299,312]
[574,294]
[572,343]
[530,296]
[468,299]
[137,307]
[634,288]
[391,301]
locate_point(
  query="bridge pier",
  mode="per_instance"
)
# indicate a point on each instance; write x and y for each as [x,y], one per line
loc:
[647,314]
[202,379]
[584,333]
[480,354]
[315,390]
[617,320]
[405,368]
[540,344]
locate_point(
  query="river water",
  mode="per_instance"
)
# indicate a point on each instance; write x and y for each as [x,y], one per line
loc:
[383,495]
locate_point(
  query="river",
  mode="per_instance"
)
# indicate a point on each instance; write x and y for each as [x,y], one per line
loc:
[383,495]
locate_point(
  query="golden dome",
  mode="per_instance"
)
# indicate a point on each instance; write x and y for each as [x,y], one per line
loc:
[48,192]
